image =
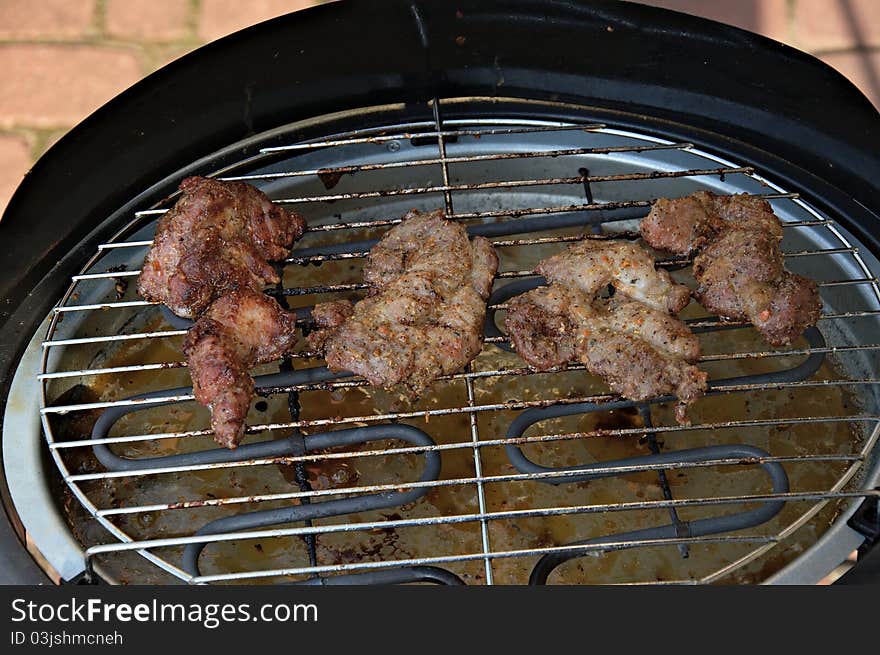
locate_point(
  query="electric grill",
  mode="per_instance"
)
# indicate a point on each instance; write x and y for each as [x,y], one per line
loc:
[536,124]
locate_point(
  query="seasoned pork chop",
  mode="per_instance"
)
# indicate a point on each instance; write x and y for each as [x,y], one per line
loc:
[423,317]
[590,265]
[639,351]
[238,331]
[630,340]
[739,266]
[218,237]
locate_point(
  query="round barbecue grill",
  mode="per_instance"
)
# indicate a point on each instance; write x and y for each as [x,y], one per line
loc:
[536,125]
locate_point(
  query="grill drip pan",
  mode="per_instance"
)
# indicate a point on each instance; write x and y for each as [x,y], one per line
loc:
[498,474]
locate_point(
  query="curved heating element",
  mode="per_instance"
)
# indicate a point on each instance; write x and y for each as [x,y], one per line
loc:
[262,383]
[403,575]
[584,473]
[708,455]
[530,417]
[338,507]
[678,529]
[296,445]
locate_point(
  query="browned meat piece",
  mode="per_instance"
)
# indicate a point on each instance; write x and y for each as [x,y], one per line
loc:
[635,370]
[639,351]
[218,237]
[740,265]
[591,265]
[735,272]
[424,314]
[741,277]
[665,333]
[329,315]
[238,331]
[684,225]
[794,305]
[542,326]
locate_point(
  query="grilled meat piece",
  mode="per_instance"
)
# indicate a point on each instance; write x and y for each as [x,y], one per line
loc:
[424,314]
[591,265]
[739,266]
[329,315]
[543,327]
[238,331]
[641,352]
[684,225]
[218,237]
[741,277]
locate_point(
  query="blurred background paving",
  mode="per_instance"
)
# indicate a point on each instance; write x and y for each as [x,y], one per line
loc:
[62,59]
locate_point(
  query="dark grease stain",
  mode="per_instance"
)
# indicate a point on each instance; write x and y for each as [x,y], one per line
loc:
[330,178]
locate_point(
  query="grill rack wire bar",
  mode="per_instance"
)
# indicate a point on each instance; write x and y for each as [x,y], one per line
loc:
[501,275]
[306,423]
[354,254]
[701,323]
[510,213]
[671,261]
[338,568]
[484,443]
[447,188]
[554,477]
[795,496]
[436,134]
[83,443]
[476,443]
[356,286]
[472,418]
[338,384]
[531,154]
[498,554]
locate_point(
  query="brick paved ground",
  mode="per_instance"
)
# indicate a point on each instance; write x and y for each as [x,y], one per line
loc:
[61,59]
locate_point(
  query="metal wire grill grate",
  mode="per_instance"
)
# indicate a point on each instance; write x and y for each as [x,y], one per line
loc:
[483,205]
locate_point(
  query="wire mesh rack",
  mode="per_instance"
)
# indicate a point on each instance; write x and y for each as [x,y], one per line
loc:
[723,495]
